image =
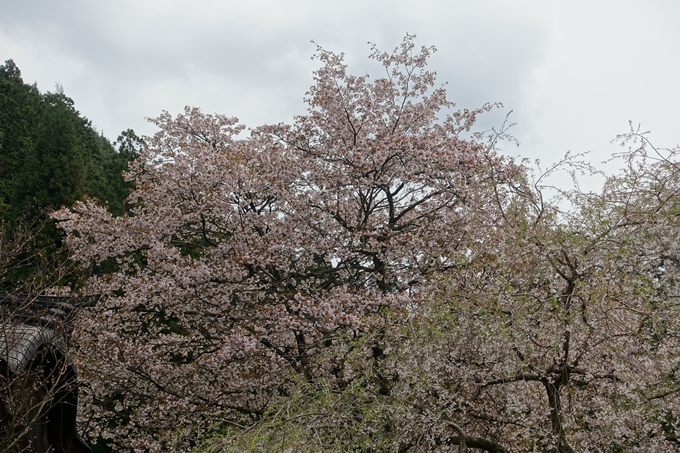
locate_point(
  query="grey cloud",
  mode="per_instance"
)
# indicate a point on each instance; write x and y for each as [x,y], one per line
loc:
[572,71]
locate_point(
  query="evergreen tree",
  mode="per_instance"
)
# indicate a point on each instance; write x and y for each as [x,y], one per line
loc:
[55,169]
[20,106]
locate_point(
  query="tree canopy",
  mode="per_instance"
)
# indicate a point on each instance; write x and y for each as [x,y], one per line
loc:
[376,276]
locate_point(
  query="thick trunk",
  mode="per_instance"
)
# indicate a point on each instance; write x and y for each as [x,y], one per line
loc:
[553,391]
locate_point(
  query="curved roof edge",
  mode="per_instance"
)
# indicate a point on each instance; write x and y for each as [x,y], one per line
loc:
[18,343]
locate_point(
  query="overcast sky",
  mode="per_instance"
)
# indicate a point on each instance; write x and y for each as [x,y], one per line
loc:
[574,72]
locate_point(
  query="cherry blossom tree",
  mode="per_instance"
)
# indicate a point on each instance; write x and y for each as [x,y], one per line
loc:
[243,258]
[375,276]
[559,334]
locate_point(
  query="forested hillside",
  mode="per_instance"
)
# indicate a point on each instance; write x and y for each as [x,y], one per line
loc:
[50,156]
